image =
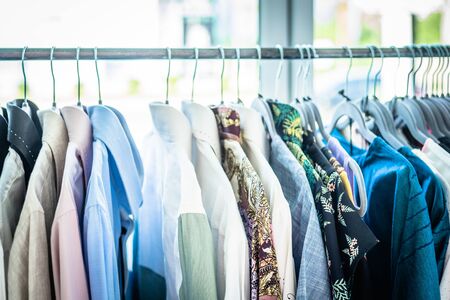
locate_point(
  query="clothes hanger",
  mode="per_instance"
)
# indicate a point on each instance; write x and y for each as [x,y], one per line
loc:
[238,69]
[401,110]
[25,105]
[351,111]
[412,102]
[222,54]
[100,101]
[373,107]
[311,123]
[426,111]
[54,107]
[280,68]
[357,173]
[431,101]
[443,98]
[389,121]
[78,76]
[261,105]
[195,73]
[315,110]
[299,105]
[169,57]
[448,74]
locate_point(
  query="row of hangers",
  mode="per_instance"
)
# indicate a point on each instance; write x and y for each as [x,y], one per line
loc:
[429,110]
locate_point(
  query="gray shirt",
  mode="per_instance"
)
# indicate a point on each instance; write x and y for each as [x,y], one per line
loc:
[308,248]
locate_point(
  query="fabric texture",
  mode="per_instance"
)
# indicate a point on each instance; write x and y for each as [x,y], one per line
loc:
[29,270]
[342,157]
[69,273]
[112,204]
[341,171]
[311,267]
[2,275]
[444,142]
[403,264]
[345,244]
[437,205]
[252,135]
[230,241]
[171,196]
[253,205]
[12,196]
[439,159]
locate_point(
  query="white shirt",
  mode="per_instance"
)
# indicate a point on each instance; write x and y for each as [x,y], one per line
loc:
[253,136]
[230,241]
[439,161]
[170,191]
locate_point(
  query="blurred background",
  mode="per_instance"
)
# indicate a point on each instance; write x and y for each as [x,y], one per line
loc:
[131,85]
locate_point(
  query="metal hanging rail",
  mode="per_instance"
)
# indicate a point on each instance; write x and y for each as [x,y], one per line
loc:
[13,54]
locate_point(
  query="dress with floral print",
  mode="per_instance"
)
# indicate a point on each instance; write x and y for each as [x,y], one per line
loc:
[346,237]
[253,207]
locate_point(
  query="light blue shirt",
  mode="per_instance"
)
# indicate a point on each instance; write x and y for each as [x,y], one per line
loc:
[112,203]
[307,243]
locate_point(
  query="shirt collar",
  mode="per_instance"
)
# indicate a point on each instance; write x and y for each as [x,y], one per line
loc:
[55,135]
[203,123]
[134,149]
[79,131]
[172,126]
[24,132]
[4,145]
[108,129]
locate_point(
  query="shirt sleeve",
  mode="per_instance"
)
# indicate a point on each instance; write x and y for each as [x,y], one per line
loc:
[67,258]
[100,253]
[28,271]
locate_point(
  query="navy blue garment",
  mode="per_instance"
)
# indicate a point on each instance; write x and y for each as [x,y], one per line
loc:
[403,264]
[437,207]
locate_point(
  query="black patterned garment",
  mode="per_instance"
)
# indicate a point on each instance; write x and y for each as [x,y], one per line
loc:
[354,236]
[346,236]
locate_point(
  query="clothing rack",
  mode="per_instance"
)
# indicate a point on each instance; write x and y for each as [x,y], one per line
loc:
[14,54]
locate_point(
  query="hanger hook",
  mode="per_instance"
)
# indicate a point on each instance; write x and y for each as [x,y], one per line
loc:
[396,70]
[299,70]
[100,101]
[350,55]
[435,76]
[372,56]
[377,75]
[413,55]
[25,102]
[280,68]
[306,73]
[424,82]
[222,55]
[238,57]
[447,54]
[78,75]
[442,53]
[310,68]
[195,73]
[52,50]
[169,57]
[258,52]
[415,72]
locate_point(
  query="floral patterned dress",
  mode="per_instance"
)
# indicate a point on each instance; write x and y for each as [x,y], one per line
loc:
[253,206]
[346,237]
